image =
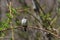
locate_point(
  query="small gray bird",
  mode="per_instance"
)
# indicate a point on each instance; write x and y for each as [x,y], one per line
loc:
[24,23]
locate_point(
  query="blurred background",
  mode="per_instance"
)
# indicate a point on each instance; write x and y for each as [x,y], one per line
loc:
[46,16]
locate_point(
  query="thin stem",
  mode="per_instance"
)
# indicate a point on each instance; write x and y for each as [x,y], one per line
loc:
[11,22]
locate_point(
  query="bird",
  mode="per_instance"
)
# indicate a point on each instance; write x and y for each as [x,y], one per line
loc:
[24,23]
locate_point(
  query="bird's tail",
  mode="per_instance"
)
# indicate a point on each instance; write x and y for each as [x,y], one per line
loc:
[25,29]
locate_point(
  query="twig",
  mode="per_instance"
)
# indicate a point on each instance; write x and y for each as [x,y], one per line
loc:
[34,28]
[11,22]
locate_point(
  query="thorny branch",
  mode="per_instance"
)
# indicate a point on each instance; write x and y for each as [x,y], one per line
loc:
[33,28]
[10,5]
